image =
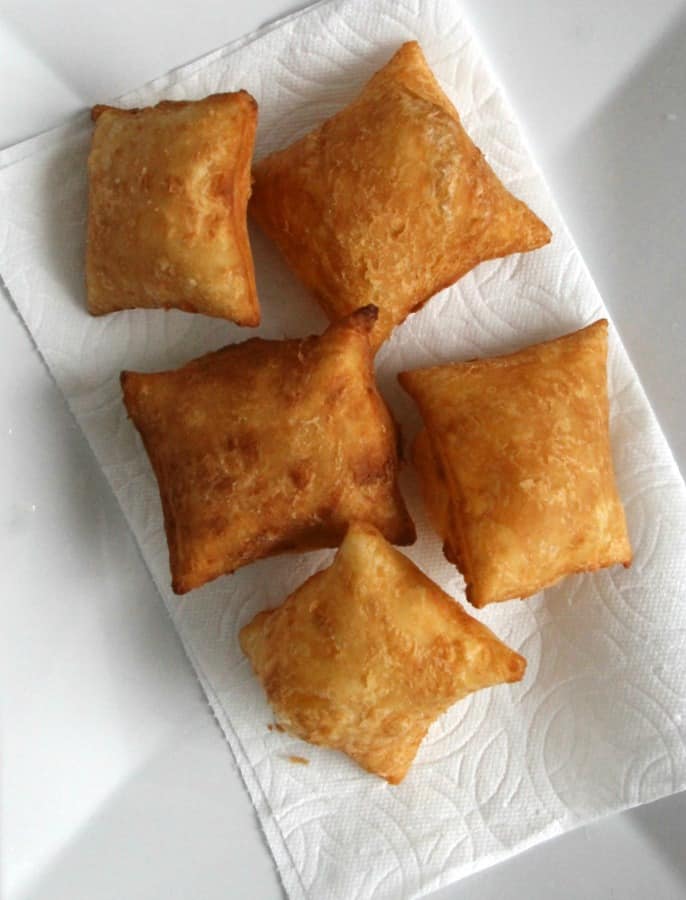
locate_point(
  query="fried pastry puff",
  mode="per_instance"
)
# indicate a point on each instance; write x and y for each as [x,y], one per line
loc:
[366,654]
[516,465]
[168,193]
[265,447]
[389,201]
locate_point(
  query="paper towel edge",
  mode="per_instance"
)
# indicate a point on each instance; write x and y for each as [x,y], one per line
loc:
[288,873]
[80,121]
[551,831]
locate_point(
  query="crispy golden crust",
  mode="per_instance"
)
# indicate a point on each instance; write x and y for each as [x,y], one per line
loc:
[389,201]
[269,446]
[516,465]
[366,654]
[168,193]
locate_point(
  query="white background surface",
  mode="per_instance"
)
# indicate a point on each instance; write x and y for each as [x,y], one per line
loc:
[116,780]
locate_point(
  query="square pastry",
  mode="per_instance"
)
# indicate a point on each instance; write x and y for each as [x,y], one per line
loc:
[389,201]
[366,654]
[269,446]
[516,465]
[168,194]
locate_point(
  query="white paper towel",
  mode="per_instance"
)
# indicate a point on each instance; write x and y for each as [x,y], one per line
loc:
[599,722]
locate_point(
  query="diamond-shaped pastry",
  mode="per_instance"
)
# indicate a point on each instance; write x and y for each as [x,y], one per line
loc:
[367,653]
[168,193]
[516,465]
[389,201]
[269,446]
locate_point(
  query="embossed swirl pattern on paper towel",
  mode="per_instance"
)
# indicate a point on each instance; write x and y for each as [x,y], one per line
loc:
[597,723]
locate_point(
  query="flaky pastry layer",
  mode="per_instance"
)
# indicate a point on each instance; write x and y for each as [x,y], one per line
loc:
[389,201]
[366,654]
[516,465]
[269,446]
[168,194]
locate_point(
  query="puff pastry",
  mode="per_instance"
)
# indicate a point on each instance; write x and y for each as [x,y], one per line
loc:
[516,465]
[168,193]
[366,654]
[269,446]
[389,201]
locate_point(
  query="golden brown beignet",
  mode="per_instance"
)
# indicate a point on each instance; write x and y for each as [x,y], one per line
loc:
[269,446]
[168,194]
[389,201]
[516,465]
[366,654]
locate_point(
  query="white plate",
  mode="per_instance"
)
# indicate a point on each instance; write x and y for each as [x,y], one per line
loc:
[116,779]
